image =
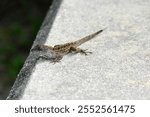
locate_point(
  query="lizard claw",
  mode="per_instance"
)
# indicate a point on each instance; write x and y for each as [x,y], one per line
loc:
[85,52]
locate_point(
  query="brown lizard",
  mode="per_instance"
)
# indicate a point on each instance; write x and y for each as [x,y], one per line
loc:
[64,49]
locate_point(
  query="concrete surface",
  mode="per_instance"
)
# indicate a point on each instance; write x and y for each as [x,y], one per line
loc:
[119,67]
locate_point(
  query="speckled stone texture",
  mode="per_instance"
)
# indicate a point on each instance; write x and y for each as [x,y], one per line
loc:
[119,67]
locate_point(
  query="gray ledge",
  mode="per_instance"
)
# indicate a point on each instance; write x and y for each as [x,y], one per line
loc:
[25,73]
[119,67]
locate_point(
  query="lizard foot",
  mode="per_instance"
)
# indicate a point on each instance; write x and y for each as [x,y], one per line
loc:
[85,52]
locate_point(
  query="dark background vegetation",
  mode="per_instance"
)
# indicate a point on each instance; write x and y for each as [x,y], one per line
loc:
[20,21]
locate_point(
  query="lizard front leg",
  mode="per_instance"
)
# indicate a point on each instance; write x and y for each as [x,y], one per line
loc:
[78,50]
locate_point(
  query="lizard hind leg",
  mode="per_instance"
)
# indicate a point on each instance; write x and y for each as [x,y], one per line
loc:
[81,51]
[50,58]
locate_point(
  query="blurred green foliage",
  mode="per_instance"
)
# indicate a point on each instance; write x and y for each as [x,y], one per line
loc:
[20,21]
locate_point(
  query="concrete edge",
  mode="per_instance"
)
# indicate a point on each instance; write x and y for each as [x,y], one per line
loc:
[24,74]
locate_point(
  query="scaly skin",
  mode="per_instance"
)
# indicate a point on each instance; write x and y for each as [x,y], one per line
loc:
[63,49]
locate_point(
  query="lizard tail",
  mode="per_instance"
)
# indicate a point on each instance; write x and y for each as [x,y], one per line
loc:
[87,38]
